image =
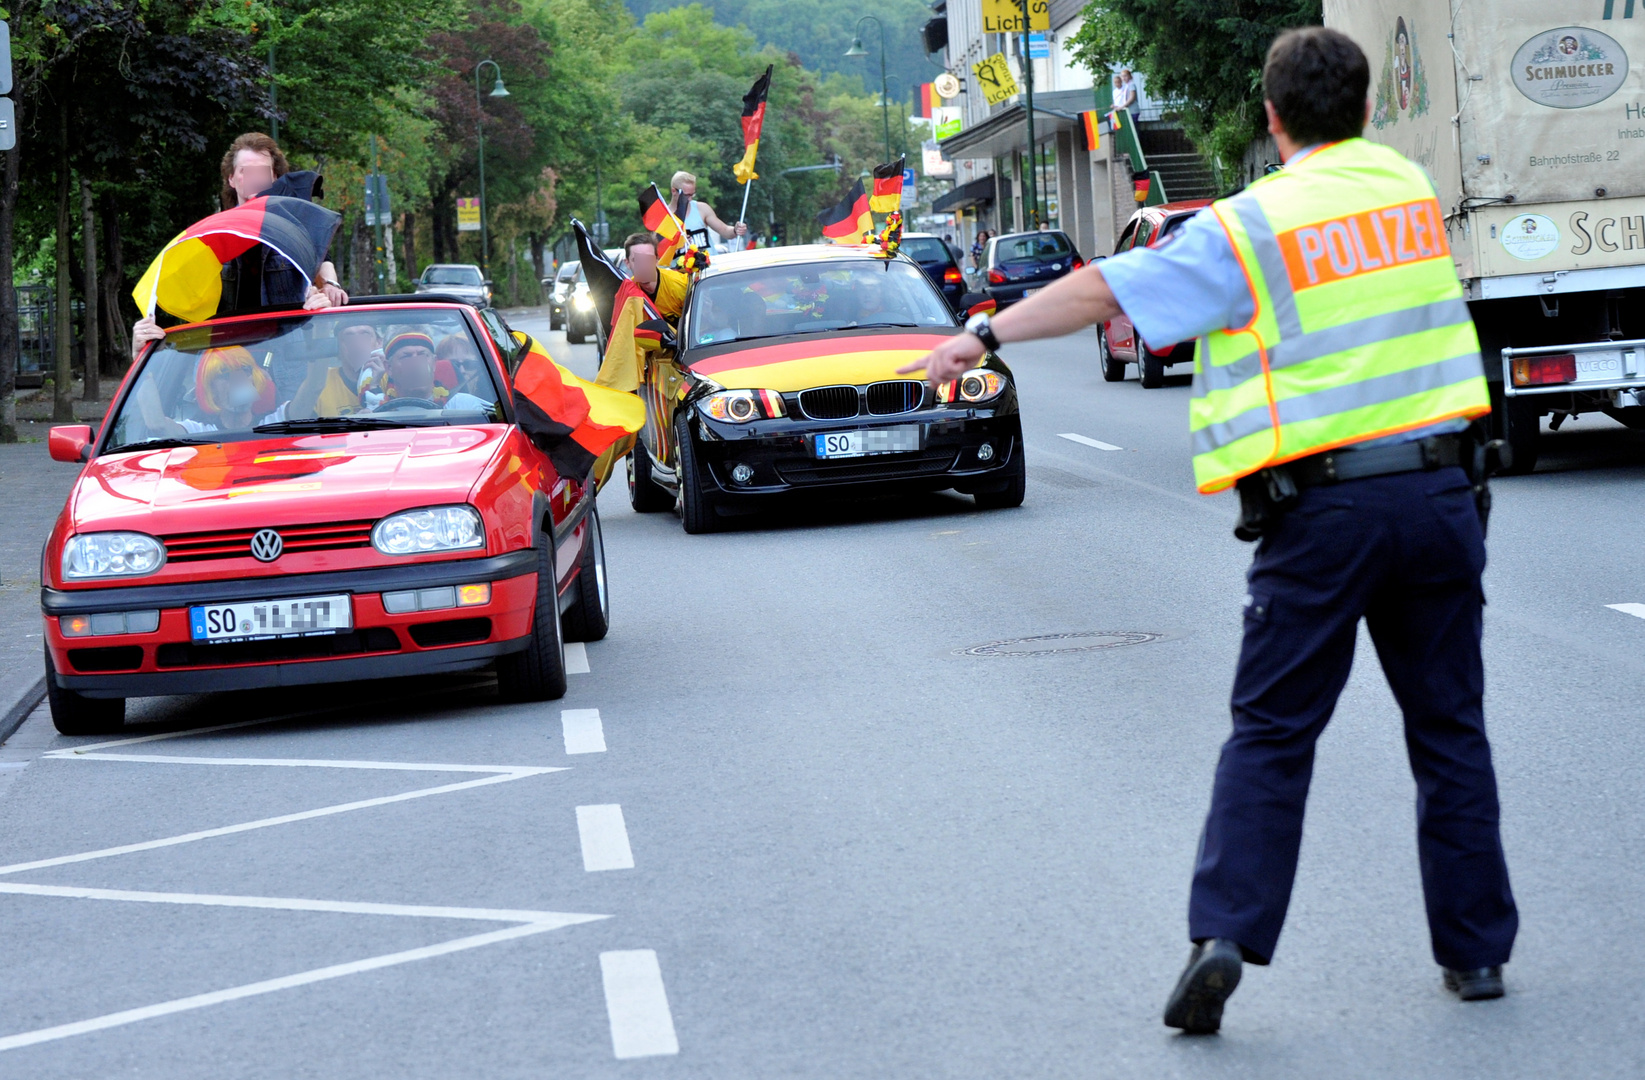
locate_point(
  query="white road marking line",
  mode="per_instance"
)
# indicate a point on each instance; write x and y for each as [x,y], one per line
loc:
[576,658]
[268,986]
[604,838]
[583,732]
[287,903]
[641,1025]
[1084,441]
[310,763]
[1637,610]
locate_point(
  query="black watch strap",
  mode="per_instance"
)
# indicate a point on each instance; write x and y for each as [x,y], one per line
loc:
[984,331]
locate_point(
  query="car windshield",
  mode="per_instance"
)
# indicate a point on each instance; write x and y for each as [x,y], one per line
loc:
[811,297]
[327,370]
[1032,248]
[452,275]
[925,249]
[567,271]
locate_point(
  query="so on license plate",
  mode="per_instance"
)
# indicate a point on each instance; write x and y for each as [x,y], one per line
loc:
[844,444]
[252,619]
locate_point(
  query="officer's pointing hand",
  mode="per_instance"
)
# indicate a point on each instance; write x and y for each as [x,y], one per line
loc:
[948,361]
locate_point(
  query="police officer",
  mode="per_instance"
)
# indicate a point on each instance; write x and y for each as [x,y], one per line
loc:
[1336,377]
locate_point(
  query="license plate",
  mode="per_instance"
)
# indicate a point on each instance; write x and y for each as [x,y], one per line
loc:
[249,620]
[892,440]
[1031,292]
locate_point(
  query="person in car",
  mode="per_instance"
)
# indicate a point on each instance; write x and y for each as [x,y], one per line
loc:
[472,388]
[333,389]
[229,388]
[410,371]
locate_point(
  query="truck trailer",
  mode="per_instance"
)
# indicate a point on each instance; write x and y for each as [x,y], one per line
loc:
[1529,118]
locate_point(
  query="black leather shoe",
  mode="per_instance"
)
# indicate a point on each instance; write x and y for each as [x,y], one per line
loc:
[1475,984]
[1212,973]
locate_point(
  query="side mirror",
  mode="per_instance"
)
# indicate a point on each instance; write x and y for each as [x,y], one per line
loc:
[69,442]
[489,283]
[973,303]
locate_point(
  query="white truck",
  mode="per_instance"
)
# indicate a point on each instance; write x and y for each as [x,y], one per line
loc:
[1529,117]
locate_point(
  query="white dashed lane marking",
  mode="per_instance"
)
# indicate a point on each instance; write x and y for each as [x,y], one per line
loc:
[1087,441]
[637,1004]
[583,731]
[1636,610]
[576,658]
[604,838]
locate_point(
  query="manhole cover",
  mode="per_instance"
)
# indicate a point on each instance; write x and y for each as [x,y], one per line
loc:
[1049,644]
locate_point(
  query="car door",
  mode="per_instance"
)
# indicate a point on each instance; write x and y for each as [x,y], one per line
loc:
[1122,344]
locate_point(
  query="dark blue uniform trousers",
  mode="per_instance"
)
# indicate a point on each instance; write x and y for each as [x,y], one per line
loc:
[1405,552]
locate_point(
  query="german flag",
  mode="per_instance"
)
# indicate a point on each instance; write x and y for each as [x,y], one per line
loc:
[887,187]
[1093,132]
[753,119]
[850,219]
[928,99]
[654,212]
[570,420]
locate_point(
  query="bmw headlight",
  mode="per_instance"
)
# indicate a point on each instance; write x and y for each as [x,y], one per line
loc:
[437,528]
[111,554]
[978,384]
[741,406]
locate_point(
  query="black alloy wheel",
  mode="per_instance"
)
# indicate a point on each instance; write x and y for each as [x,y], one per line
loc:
[76,714]
[1016,485]
[537,673]
[1150,369]
[589,616]
[696,505]
[1113,370]
[644,494]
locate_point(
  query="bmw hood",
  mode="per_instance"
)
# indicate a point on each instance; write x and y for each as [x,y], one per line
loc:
[799,363]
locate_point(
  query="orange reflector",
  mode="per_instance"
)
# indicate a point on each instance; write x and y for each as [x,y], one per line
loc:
[76,625]
[471,595]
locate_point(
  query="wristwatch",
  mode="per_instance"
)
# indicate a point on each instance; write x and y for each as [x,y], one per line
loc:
[983,328]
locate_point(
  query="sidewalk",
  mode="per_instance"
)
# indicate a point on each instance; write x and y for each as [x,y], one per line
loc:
[34,487]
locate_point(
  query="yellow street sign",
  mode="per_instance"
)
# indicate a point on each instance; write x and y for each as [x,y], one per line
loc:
[468,215]
[1005,16]
[995,78]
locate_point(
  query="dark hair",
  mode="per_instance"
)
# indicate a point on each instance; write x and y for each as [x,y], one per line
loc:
[1316,79]
[251,140]
[636,239]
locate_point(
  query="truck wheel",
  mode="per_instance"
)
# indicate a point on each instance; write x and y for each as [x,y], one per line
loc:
[643,493]
[1112,370]
[697,511]
[589,616]
[538,672]
[1150,370]
[1521,427]
[76,714]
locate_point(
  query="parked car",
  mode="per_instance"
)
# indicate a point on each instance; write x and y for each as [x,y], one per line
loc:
[784,384]
[1118,343]
[940,262]
[558,289]
[211,543]
[1021,264]
[461,280]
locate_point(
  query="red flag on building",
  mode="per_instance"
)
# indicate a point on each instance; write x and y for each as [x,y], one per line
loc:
[928,99]
[887,187]
[848,220]
[753,119]
[656,216]
[1093,132]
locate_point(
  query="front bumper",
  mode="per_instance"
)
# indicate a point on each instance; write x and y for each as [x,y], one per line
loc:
[379,645]
[780,451]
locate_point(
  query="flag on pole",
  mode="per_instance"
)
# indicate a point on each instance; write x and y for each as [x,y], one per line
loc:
[1093,133]
[887,187]
[928,99]
[753,119]
[658,218]
[850,219]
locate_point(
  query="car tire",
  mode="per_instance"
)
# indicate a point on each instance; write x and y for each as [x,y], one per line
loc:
[643,493]
[589,616]
[574,336]
[1112,370]
[1150,370]
[1016,485]
[1522,429]
[537,673]
[697,511]
[76,714]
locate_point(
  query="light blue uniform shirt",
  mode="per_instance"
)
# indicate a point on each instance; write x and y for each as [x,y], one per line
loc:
[1191,285]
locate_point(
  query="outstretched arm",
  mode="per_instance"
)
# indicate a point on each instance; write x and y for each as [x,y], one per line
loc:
[712,220]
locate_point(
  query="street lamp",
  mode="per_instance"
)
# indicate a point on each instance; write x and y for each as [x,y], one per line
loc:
[497,90]
[856,49]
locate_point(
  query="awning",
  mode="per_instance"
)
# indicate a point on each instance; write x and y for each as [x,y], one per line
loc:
[975,193]
[1007,130]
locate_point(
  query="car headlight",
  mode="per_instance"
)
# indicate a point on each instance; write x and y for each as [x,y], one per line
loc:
[978,384]
[741,406]
[437,528]
[582,301]
[111,554]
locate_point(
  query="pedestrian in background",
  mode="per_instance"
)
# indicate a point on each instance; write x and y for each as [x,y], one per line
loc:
[1333,383]
[1128,92]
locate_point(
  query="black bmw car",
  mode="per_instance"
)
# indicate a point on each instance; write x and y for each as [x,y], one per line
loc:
[785,383]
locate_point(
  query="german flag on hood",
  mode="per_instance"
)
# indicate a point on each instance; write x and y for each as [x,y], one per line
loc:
[570,420]
[656,215]
[753,119]
[887,187]
[846,222]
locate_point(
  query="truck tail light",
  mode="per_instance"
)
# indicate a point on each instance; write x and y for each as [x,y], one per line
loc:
[996,278]
[952,276]
[1544,370]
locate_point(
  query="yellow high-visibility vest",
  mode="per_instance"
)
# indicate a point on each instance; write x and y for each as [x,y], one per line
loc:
[1359,327]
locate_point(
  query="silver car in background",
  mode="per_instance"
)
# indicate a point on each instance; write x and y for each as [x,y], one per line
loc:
[460,280]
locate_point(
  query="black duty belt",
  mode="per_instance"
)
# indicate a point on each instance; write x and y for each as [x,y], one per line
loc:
[1335,466]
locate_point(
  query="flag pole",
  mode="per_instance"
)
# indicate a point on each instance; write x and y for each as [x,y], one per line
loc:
[742,218]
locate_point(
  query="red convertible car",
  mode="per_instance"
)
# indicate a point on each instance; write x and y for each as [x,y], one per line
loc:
[307,497]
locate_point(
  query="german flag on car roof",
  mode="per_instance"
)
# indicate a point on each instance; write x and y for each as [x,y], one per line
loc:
[572,421]
[887,187]
[753,119]
[847,221]
[656,215]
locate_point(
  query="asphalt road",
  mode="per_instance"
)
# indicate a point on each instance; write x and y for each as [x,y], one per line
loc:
[858,851]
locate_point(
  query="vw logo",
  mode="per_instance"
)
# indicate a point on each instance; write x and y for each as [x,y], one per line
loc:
[266,545]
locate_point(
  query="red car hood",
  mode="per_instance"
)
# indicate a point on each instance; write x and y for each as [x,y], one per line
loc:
[284,481]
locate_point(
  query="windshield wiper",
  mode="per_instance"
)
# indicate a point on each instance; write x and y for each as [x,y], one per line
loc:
[868,325]
[326,423]
[160,442]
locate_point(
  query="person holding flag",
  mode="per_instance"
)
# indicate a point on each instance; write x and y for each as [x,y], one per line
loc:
[701,223]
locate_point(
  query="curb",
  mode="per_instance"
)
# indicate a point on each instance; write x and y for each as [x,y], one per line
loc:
[31,699]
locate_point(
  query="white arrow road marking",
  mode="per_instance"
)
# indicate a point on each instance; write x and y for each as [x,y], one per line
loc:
[637,1004]
[604,838]
[1085,441]
[1637,610]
